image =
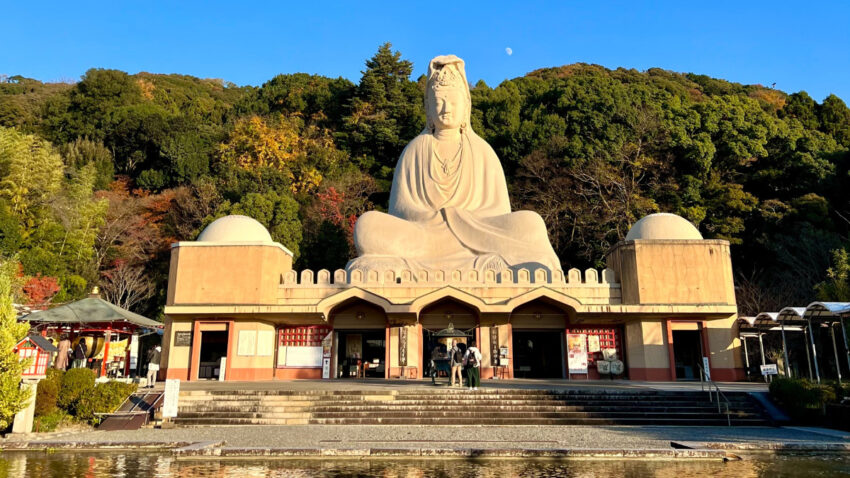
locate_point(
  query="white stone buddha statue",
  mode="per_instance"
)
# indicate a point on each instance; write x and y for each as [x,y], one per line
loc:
[449,206]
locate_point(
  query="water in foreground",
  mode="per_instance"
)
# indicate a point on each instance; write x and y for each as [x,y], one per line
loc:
[131,465]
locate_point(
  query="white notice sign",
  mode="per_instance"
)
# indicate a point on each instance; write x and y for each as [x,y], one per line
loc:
[326,368]
[169,401]
[706,368]
[769,369]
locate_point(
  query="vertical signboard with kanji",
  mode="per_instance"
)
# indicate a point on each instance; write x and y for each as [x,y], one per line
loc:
[577,353]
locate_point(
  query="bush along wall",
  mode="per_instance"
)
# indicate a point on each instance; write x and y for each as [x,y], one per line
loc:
[807,402]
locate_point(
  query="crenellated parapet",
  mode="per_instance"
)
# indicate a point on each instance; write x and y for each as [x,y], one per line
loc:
[406,277]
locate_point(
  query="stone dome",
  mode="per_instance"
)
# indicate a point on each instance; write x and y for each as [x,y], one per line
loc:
[663,226]
[235,229]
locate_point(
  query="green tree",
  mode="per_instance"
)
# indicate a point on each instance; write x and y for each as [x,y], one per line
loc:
[12,397]
[836,288]
[386,112]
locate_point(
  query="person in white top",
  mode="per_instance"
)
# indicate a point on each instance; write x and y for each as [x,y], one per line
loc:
[472,361]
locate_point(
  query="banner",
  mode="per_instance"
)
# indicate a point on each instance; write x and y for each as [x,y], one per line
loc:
[577,353]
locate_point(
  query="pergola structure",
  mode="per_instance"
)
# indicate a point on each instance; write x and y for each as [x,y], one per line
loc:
[92,315]
[800,319]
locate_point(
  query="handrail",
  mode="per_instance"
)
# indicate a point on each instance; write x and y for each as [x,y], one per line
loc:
[719,393]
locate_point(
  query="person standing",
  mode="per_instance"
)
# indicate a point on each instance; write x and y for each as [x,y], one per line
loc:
[63,354]
[154,355]
[80,351]
[472,361]
[456,359]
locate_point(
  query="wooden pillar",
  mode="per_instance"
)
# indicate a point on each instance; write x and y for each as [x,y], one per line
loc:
[127,356]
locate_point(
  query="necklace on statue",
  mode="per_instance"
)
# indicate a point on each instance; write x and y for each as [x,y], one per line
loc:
[444,165]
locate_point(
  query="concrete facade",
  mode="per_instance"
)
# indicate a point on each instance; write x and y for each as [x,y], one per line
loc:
[652,289]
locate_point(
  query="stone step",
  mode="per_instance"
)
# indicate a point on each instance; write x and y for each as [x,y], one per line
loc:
[470,422]
[500,406]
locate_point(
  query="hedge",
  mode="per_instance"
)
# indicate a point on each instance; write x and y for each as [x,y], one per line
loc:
[104,398]
[802,399]
[75,383]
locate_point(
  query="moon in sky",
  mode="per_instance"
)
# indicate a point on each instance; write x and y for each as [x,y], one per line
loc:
[509,51]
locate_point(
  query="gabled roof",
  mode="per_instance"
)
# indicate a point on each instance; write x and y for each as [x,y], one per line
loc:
[41,342]
[91,311]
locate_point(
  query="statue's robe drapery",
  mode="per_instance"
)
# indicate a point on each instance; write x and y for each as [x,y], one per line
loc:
[450,215]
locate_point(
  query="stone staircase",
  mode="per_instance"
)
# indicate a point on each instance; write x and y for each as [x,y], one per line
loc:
[463,407]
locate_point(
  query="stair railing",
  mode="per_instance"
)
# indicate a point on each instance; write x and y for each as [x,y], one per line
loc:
[718,394]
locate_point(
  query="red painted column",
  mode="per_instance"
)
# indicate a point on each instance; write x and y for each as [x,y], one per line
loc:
[105,351]
[671,357]
[231,350]
[421,360]
[387,350]
[194,361]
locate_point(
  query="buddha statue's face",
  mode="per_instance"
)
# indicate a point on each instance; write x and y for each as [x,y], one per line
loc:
[449,108]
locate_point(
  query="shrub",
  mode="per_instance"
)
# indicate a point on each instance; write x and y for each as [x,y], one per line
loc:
[104,398]
[76,383]
[50,421]
[47,394]
[800,398]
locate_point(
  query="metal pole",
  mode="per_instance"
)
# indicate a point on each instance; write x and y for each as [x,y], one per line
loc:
[746,355]
[761,347]
[785,348]
[814,349]
[808,354]
[844,336]
[835,349]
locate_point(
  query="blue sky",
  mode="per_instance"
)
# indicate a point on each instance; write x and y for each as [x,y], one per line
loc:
[798,46]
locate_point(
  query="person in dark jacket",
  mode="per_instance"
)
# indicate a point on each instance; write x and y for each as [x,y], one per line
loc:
[154,356]
[80,351]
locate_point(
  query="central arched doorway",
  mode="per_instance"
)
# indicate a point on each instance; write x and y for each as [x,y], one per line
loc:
[440,316]
[538,331]
[359,340]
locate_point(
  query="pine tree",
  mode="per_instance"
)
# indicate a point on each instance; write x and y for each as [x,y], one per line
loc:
[12,397]
[386,112]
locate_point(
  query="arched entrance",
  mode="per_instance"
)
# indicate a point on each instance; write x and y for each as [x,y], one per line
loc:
[538,339]
[359,340]
[441,315]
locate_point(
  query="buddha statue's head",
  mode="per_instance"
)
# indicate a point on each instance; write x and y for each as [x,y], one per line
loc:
[447,101]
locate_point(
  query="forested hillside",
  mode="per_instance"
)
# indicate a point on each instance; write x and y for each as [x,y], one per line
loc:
[99,177]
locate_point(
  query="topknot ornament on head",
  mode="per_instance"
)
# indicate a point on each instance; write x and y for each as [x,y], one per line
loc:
[446,71]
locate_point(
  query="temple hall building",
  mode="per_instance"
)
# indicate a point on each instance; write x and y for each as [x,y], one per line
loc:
[665,300]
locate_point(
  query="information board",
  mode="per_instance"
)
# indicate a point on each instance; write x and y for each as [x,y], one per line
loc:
[769,369]
[169,399]
[182,338]
[577,353]
[304,356]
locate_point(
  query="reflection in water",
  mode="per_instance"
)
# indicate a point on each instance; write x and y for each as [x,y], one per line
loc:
[131,465]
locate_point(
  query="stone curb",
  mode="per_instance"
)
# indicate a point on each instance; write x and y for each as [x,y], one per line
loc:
[458,453]
[766,446]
